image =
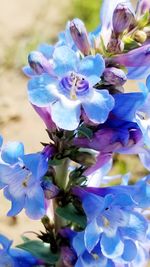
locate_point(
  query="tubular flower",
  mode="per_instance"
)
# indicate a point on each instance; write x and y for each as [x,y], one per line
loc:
[22,184]
[114,225]
[72,90]
[14,257]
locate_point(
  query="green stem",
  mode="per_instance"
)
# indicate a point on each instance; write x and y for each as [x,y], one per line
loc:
[61,178]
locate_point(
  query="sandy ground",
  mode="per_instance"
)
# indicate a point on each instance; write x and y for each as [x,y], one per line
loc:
[23,23]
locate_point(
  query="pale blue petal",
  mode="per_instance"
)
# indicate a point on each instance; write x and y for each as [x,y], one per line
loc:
[10,173]
[17,204]
[1,140]
[65,60]
[11,151]
[78,243]
[145,159]
[66,114]
[136,227]
[6,243]
[93,80]
[92,235]
[92,65]
[28,71]
[35,204]
[36,163]
[46,50]
[99,106]
[111,247]
[41,90]
[130,250]
[90,201]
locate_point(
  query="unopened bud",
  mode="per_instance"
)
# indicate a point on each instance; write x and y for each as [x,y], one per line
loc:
[114,76]
[39,63]
[122,18]
[83,158]
[140,36]
[142,7]
[50,190]
[115,45]
[80,36]
[68,256]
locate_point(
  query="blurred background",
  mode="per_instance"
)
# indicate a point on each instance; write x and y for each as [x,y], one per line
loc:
[23,25]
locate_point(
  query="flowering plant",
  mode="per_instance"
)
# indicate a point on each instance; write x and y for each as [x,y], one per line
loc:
[77,88]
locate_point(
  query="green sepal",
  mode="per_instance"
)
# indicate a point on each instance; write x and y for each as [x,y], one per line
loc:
[39,250]
[71,214]
[85,131]
[144,20]
[130,43]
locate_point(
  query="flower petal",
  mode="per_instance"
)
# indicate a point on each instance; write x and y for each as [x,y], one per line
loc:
[91,201]
[98,107]
[46,50]
[42,90]
[17,203]
[66,114]
[65,60]
[127,112]
[136,227]
[11,151]
[92,235]
[111,247]
[92,65]
[130,250]
[28,71]
[36,163]
[34,203]
[78,243]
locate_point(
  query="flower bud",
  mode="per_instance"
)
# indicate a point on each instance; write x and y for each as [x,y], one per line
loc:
[80,36]
[114,76]
[68,256]
[140,36]
[122,18]
[39,63]
[142,7]
[115,45]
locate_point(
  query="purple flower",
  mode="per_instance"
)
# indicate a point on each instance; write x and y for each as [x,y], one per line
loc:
[122,18]
[136,62]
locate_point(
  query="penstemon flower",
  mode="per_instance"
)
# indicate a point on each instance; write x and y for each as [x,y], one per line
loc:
[77,87]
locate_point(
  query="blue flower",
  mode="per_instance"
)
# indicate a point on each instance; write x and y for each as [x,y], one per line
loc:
[22,184]
[13,256]
[73,89]
[113,224]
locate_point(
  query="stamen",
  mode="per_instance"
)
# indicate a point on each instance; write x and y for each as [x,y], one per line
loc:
[25,182]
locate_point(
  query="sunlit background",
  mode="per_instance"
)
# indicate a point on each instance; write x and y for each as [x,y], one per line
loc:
[23,25]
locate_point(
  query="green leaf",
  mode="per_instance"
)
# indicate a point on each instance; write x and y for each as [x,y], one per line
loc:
[85,131]
[71,214]
[25,239]
[144,20]
[40,251]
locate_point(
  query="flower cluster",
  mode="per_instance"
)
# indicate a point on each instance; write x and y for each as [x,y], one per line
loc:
[77,88]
